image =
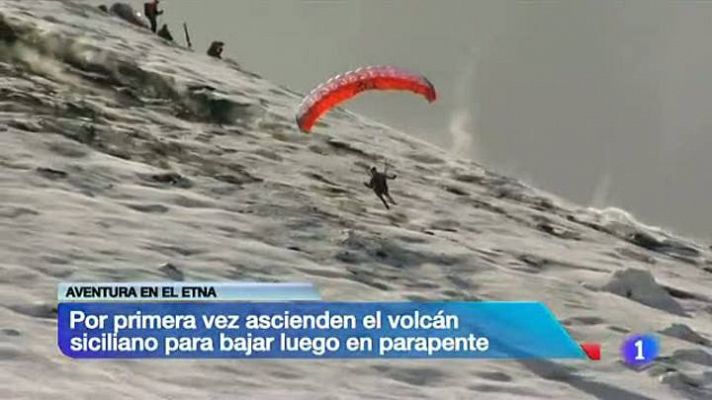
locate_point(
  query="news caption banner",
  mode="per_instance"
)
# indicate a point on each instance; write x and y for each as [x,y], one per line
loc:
[290,321]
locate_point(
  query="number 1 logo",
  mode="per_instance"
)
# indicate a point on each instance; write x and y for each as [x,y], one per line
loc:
[639,350]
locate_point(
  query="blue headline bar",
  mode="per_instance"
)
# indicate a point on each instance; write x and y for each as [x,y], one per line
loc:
[495,330]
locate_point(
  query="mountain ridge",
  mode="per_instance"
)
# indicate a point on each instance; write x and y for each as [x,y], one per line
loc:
[123,154]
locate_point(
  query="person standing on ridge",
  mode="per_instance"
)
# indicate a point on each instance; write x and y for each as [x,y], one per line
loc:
[151,11]
[379,184]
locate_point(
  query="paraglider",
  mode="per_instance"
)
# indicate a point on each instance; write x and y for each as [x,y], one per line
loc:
[343,87]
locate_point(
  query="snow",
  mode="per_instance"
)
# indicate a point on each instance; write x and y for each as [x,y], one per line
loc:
[126,158]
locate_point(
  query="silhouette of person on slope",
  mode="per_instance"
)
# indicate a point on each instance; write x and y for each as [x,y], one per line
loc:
[379,184]
[151,11]
[216,49]
[165,33]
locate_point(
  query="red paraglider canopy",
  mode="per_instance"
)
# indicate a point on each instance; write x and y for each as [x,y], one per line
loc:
[343,87]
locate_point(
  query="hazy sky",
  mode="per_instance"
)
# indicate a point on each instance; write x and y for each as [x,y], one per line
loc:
[602,102]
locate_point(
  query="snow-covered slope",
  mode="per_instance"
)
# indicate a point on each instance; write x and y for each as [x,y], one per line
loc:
[121,153]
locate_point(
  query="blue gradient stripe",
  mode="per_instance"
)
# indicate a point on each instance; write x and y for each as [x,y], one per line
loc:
[516,330]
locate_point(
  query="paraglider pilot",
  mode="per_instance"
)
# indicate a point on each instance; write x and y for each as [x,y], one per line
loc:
[379,184]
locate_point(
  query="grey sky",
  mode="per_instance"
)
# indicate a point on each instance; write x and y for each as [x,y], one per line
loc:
[592,100]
